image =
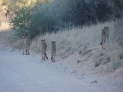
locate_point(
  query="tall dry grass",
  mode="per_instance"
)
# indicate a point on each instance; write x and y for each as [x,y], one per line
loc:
[79,48]
[73,40]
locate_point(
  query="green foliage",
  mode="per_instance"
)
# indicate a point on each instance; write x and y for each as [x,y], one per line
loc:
[26,21]
[21,22]
[118,7]
[50,17]
[42,22]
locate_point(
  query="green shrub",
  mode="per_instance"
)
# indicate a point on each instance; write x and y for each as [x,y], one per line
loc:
[50,17]
[21,22]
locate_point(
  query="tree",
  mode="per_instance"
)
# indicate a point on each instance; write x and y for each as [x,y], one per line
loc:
[103,10]
[118,8]
[27,21]
[21,22]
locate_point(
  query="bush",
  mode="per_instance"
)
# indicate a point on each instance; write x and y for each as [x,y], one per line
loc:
[27,21]
[21,22]
[118,8]
[81,12]
[50,17]
[42,22]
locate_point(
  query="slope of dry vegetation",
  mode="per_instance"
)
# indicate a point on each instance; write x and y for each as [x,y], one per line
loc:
[79,48]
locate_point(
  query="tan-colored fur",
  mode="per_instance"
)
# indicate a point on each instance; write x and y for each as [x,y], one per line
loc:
[104,36]
[53,51]
[44,50]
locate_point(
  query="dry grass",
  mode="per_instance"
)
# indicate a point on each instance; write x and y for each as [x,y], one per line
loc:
[74,40]
[78,49]
[4,26]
